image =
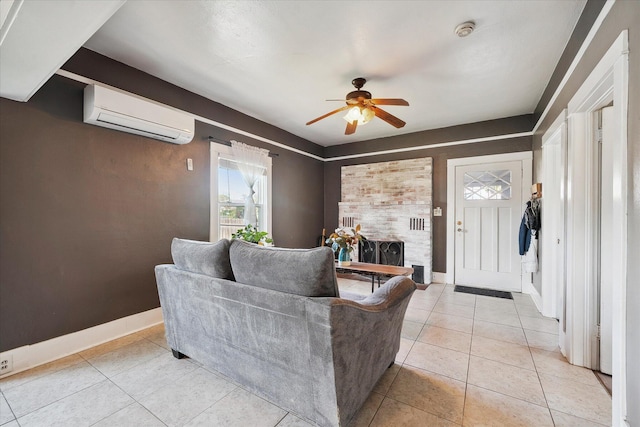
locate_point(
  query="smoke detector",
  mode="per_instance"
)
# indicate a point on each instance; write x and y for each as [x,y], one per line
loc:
[466,28]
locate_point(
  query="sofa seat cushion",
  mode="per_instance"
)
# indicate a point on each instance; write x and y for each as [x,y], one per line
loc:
[352,296]
[305,272]
[207,258]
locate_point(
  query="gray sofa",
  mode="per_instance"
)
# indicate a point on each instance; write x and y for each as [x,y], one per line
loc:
[273,320]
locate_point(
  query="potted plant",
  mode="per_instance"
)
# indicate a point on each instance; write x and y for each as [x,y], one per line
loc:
[253,235]
[344,241]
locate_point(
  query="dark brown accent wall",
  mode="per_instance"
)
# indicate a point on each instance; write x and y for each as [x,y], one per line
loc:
[589,15]
[297,195]
[489,128]
[297,179]
[107,71]
[440,156]
[87,212]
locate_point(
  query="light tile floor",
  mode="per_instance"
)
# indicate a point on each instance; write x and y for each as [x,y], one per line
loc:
[464,360]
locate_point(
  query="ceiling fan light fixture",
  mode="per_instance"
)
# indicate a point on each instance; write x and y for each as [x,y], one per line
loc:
[361,108]
[367,115]
[352,114]
[466,28]
[359,114]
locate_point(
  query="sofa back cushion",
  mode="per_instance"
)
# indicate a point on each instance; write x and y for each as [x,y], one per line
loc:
[306,272]
[207,258]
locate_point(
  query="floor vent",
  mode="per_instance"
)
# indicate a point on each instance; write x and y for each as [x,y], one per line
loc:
[485,292]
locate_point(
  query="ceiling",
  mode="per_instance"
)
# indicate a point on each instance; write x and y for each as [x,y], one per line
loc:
[279,61]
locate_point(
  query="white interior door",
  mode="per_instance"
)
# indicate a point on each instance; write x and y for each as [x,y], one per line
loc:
[488,211]
[606,241]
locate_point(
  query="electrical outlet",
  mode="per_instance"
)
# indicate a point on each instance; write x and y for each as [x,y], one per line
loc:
[6,364]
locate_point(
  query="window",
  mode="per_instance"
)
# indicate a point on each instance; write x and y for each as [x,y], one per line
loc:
[487,185]
[229,192]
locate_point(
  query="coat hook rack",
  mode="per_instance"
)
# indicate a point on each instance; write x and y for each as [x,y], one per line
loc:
[536,191]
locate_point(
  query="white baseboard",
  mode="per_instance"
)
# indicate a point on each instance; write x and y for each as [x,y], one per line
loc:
[439,277]
[30,356]
[528,288]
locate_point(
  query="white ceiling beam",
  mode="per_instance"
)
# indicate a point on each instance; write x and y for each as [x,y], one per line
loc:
[37,37]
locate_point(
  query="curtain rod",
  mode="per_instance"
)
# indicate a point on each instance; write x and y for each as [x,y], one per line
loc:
[228,144]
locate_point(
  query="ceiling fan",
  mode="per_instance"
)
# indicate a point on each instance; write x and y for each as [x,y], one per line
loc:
[362,108]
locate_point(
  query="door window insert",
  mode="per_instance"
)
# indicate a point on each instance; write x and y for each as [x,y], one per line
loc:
[487,185]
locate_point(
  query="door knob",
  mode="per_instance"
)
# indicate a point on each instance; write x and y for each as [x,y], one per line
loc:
[459,229]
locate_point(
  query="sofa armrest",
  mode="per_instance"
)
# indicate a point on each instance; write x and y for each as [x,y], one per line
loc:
[361,341]
[393,292]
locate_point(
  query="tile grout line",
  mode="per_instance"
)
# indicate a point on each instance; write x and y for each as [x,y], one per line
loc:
[118,387]
[582,418]
[521,328]
[63,398]
[512,397]
[10,408]
[396,376]
[384,396]
[136,401]
[60,399]
[279,421]
[466,383]
[535,369]
[561,378]
[43,376]
[535,366]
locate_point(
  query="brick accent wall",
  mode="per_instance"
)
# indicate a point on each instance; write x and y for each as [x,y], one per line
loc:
[386,199]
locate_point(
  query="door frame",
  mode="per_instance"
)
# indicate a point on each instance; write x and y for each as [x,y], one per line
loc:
[525,157]
[554,164]
[607,82]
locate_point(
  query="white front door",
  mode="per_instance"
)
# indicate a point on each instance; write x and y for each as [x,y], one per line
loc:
[488,211]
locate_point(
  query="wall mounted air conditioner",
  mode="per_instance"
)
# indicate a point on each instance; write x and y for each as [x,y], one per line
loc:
[129,113]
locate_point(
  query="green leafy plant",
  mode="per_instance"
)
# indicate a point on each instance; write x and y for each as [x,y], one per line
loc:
[342,238]
[252,234]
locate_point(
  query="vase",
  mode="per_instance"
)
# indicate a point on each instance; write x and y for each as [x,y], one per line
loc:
[344,258]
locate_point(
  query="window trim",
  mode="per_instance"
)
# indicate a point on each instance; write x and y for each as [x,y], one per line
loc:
[216,150]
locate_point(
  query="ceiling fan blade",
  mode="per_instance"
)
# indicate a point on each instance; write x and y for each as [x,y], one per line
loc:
[350,102]
[346,107]
[389,118]
[351,127]
[388,101]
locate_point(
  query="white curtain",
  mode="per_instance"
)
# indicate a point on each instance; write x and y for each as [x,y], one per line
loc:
[252,162]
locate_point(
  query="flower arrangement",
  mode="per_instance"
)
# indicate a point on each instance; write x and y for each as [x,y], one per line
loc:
[345,241]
